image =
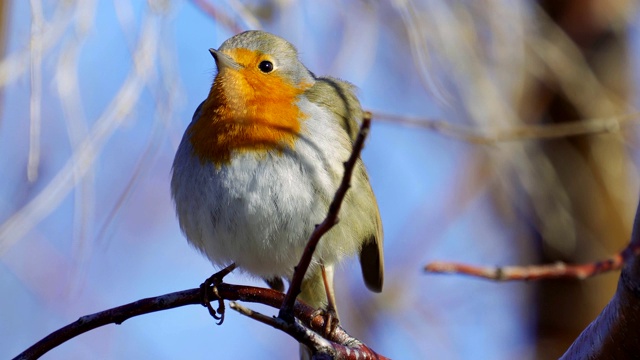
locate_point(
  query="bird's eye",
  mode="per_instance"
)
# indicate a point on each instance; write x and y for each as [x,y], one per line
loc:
[266,66]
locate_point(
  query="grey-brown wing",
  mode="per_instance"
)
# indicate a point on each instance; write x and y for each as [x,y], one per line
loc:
[372,253]
[339,97]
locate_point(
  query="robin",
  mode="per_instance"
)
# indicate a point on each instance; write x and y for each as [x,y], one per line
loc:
[259,165]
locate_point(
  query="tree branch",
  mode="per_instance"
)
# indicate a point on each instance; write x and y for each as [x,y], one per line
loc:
[615,333]
[231,292]
[558,270]
[338,345]
[516,133]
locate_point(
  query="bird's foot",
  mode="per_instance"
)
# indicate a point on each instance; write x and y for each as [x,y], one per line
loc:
[211,283]
[331,321]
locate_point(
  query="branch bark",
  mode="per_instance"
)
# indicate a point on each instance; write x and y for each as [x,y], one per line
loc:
[118,315]
[615,333]
[558,270]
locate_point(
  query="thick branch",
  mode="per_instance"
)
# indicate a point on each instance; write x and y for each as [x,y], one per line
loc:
[615,333]
[338,346]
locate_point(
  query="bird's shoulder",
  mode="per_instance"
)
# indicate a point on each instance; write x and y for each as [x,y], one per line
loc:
[338,97]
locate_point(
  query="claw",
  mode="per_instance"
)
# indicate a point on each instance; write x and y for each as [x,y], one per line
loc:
[330,318]
[211,282]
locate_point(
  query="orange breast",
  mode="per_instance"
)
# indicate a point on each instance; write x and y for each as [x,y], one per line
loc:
[246,111]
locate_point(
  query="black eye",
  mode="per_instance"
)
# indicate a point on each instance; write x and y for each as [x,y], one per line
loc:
[266,66]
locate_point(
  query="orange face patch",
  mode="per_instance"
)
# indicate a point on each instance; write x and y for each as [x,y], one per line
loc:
[247,110]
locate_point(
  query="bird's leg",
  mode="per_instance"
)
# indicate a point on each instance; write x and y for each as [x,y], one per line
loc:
[331,320]
[212,281]
[275,283]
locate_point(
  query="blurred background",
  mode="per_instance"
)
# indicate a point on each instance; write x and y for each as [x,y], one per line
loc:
[504,133]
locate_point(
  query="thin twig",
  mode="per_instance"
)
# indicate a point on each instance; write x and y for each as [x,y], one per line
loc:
[86,153]
[35,99]
[218,16]
[328,222]
[558,270]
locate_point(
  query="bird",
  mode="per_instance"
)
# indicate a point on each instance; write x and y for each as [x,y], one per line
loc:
[260,162]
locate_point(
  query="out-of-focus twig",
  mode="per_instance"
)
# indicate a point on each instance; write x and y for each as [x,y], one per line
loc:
[87,152]
[217,15]
[516,133]
[67,84]
[558,270]
[15,64]
[35,100]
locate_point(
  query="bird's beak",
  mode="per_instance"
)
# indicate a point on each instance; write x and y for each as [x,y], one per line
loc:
[223,60]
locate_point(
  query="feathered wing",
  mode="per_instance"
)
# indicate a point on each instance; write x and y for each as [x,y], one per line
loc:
[339,97]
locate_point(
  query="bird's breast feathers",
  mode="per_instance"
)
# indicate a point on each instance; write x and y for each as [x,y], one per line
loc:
[244,113]
[260,202]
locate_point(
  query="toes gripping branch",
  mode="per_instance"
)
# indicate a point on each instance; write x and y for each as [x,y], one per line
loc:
[208,287]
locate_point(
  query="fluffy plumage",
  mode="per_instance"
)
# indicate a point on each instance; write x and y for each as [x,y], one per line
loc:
[260,162]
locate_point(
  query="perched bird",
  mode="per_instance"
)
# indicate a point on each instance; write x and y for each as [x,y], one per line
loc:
[261,161]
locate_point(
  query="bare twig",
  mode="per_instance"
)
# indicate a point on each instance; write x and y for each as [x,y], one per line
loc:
[86,153]
[327,223]
[35,100]
[558,270]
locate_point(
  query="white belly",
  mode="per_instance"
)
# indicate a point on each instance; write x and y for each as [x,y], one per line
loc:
[259,211]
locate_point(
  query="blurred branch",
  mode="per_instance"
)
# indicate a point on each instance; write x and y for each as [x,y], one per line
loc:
[88,150]
[15,64]
[217,15]
[4,35]
[516,133]
[559,270]
[615,332]
[35,100]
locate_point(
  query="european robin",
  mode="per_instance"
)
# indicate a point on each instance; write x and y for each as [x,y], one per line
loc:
[261,161]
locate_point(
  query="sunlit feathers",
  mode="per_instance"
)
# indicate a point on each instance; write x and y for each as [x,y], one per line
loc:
[247,110]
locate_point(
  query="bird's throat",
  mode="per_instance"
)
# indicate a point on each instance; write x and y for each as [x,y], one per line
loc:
[245,113]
